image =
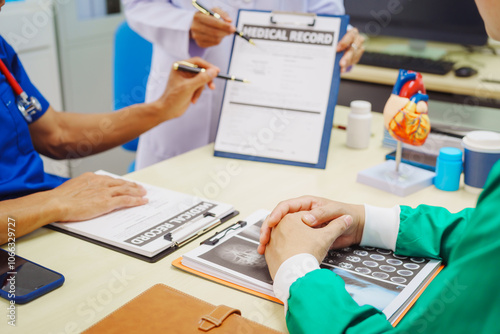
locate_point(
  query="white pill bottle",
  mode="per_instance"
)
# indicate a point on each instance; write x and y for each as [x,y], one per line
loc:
[359,124]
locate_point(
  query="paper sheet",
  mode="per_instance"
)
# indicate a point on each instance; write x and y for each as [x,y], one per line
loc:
[280,114]
[141,229]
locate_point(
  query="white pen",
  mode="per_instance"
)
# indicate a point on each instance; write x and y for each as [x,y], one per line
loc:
[192,230]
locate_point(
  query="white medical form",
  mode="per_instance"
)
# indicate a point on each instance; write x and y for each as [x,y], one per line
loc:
[285,113]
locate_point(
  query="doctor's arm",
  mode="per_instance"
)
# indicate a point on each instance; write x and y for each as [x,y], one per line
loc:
[73,135]
[165,25]
[353,46]
[352,43]
[84,197]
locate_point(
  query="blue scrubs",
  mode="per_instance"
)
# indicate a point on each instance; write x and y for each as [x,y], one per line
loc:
[21,168]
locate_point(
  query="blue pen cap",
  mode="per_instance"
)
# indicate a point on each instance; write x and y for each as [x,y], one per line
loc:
[448,169]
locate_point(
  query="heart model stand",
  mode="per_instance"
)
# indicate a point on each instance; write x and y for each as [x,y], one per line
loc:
[406,119]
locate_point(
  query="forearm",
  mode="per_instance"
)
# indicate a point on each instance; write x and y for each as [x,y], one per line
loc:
[425,231]
[87,134]
[431,232]
[319,303]
[316,301]
[24,215]
[84,197]
[72,135]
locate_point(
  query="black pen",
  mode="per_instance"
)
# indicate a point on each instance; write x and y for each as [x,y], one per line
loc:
[188,67]
[218,236]
[207,11]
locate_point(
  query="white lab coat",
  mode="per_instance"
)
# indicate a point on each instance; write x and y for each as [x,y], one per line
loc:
[166,24]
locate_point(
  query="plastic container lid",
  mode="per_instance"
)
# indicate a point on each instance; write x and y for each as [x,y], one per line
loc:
[450,154]
[361,107]
[482,141]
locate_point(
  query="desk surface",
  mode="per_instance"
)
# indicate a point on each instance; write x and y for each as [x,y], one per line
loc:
[99,280]
[488,66]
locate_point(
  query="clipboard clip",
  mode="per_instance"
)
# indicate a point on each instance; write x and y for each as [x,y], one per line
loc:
[218,236]
[185,234]
[309,19]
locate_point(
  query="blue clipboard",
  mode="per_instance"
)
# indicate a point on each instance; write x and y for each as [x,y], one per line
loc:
[332,102]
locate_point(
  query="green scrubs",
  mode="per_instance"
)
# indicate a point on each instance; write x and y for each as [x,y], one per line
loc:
[463,298]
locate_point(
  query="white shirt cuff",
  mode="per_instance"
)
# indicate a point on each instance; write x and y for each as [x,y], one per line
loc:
[381,227]
[290,271]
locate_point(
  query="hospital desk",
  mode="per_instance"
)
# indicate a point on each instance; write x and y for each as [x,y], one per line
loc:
[99,280]
[472,102]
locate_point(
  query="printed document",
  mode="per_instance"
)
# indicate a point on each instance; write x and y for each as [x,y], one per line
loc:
[280,113]
[142,229]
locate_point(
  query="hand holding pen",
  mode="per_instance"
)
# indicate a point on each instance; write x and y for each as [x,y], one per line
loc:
[209,27]
[185,66]
[184,88]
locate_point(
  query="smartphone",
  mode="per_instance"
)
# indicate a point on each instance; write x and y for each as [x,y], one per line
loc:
[416,158]
[22,280]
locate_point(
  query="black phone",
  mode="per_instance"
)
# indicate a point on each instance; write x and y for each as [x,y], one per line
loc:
[22,280]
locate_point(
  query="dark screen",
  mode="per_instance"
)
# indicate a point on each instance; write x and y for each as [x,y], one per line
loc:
[29,277]
[113,6]
[437,20]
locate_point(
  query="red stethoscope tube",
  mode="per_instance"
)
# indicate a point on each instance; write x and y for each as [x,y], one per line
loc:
[10,79]
[28,106]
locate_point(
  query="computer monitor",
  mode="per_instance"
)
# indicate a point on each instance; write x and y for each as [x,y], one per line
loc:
[452,21]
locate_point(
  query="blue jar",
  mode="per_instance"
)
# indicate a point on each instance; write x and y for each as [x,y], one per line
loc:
[448,169]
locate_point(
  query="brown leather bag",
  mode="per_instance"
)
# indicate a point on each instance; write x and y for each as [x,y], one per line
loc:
[162,309]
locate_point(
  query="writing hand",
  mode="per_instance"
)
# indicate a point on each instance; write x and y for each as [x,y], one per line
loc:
[184,88]
[209,31]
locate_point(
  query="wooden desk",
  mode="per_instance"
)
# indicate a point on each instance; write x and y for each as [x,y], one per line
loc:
[99,280]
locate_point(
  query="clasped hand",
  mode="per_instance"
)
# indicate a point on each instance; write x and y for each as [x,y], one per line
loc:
[310,225]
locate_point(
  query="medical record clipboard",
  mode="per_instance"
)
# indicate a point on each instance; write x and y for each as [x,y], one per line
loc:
[285,113]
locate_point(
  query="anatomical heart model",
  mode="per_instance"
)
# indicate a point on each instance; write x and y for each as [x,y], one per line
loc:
[406,119]
[405,113]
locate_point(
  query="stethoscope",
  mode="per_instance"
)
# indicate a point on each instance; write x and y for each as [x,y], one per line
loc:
[28,106]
